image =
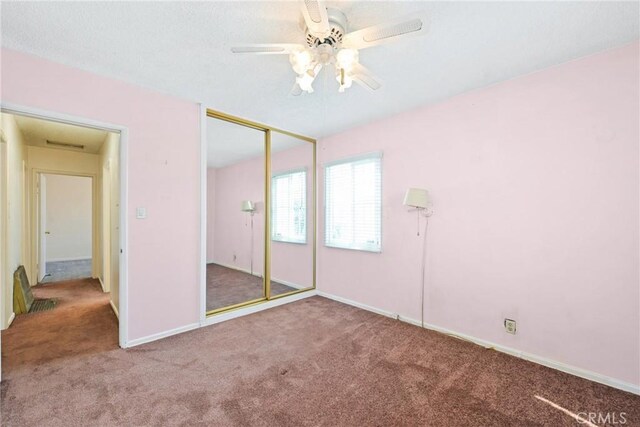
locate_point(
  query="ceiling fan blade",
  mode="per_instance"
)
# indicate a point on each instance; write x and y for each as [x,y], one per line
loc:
[409,26]
[296,90]
[316,18]
[267,48]
[364,77]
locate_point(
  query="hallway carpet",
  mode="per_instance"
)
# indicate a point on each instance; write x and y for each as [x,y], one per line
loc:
[67,270]
[314,362]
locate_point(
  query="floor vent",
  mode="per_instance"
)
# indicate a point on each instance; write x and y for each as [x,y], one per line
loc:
[42,305]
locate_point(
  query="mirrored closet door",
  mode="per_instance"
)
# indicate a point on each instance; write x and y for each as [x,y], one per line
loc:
[260,202]
[235,214]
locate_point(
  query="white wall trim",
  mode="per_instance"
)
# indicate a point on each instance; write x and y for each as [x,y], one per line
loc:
[233,267]
[101,283]
[222,317]
[233,314]
[290,284]
[123,262]
[11,318]
[203,214]
[124,155]
[160,335]
[114,308]
[579,372]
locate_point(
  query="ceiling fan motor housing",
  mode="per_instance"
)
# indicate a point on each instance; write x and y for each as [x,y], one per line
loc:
[338,24]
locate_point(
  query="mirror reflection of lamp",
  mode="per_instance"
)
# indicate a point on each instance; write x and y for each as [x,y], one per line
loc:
[249,206]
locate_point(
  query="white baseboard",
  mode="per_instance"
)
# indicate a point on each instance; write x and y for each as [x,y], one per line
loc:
[11,319]
[69,259]
[290,284]
[234,267]
[224,316]
[273,279]
[114,308]
[579,372]
[160,335]
[101,283]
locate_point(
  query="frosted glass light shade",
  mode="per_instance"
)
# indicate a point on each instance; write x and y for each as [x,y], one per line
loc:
[248,206]
[416,197]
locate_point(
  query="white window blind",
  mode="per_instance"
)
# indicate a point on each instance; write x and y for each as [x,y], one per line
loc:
[289,207]
[353,203]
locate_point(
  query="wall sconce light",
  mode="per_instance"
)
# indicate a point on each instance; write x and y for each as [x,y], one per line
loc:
[248,206]
[418,200]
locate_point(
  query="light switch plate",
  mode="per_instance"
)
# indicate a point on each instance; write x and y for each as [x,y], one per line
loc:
[141,213]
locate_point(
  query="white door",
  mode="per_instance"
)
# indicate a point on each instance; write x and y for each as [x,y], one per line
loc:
[42,226]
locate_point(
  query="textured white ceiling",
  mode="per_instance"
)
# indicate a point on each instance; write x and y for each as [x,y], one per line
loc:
[182,48]
[37,131]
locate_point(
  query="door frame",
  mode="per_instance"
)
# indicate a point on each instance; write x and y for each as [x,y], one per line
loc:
[40,208]
[123,286]
[3,222]
[36,220]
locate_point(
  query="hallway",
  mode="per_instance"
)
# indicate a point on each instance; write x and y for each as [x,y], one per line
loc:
[67,270]
[82,323]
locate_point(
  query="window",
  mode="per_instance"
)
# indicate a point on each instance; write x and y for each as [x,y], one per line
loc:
[353,203]
[289,207]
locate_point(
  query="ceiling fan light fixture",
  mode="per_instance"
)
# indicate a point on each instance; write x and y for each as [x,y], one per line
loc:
[346,59]
[301,60]
[345,81]
[328,43]
[305,81]
[325,53]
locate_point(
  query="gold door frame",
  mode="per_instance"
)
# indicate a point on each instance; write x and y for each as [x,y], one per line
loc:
[268,130]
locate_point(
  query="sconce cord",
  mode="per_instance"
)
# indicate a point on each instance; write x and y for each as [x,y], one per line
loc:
[424,262]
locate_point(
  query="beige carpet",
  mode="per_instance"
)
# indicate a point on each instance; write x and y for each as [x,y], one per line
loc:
[314,362]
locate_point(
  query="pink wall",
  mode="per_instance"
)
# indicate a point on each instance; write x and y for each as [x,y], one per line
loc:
[535,189]
[232,227]
[164,151]
[229,230]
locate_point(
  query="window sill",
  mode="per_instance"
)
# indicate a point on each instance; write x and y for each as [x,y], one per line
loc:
[368,250]
[288,241]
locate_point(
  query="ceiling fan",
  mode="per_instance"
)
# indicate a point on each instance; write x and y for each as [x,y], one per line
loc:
[329,44]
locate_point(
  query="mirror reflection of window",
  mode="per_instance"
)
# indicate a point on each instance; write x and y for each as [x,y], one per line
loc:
[292,228]
[289,207]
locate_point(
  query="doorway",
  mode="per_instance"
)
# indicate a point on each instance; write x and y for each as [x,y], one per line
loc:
[65,209]
[72,235]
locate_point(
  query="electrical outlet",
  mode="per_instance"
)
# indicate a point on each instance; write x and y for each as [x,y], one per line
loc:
[510,326]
